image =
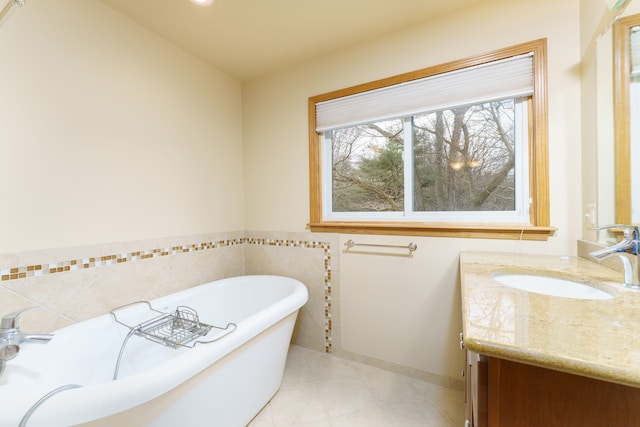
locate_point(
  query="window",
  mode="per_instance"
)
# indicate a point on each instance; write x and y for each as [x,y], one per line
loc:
[454,150]
[459,160]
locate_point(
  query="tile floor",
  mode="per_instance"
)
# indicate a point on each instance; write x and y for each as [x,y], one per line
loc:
[319,390]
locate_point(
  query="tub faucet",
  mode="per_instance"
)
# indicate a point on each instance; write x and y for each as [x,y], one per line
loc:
[11,337]
[626,250]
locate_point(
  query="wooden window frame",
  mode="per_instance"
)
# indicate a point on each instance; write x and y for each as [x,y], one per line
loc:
[539,227]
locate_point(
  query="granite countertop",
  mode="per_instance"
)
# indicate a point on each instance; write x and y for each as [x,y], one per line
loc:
[594,338]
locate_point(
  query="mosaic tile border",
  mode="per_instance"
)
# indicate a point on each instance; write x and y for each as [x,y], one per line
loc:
[13,273]
[22,272]
[326,247]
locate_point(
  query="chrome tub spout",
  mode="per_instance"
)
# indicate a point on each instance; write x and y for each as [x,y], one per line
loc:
[11,337]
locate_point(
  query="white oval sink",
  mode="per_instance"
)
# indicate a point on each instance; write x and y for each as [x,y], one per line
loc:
[551,286]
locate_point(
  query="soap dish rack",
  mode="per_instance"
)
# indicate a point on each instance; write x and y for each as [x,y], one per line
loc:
[182,328]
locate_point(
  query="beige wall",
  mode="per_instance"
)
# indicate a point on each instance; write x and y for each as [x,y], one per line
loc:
[395,310]
[109,133]
[69,285]
[122,174]
[275,107]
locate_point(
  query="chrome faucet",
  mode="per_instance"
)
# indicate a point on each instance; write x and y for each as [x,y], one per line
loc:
[11,337]
[626,250]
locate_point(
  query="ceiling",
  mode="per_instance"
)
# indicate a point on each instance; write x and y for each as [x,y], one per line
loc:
[250,38]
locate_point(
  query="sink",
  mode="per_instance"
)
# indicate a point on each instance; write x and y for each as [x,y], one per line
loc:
[551,286]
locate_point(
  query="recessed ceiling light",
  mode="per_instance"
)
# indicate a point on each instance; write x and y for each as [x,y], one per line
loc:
[202,2]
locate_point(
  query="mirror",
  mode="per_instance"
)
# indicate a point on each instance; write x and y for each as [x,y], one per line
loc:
[626,95]
[607,181]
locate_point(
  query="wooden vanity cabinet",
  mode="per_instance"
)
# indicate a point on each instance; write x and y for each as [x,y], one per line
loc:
[502,393]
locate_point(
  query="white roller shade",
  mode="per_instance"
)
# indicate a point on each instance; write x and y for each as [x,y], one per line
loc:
[507,78]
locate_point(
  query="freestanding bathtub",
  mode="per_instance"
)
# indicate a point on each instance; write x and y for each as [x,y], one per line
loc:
[223,383]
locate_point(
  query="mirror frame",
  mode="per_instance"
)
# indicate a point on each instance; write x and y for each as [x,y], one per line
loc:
[621,117]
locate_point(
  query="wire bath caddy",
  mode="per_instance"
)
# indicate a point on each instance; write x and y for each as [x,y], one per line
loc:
[181,328]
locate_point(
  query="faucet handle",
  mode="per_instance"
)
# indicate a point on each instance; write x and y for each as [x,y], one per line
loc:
[9,351]
[12,320]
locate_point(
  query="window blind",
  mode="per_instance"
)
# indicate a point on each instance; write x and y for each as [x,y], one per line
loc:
[506,78]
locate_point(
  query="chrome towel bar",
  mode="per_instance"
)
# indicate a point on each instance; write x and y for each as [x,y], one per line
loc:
[411,246]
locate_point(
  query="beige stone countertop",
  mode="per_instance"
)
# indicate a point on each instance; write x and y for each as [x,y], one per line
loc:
[594,338]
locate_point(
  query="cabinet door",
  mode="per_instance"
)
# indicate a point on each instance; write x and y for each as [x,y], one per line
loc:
[476,390]
[529,396]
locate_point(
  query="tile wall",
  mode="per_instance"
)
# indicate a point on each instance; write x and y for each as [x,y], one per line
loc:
[311,258]
[74,284]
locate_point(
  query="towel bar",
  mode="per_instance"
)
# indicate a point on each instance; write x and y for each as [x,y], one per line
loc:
[411,246]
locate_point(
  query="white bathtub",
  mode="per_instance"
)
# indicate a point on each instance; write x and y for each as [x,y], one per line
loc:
[221,384]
